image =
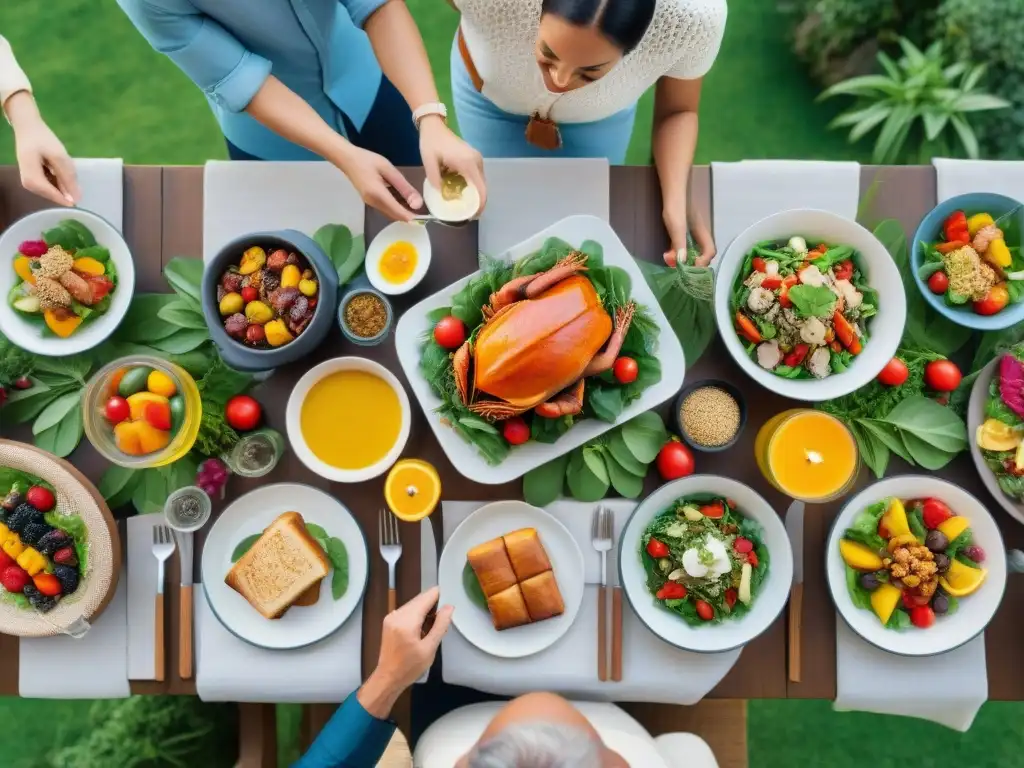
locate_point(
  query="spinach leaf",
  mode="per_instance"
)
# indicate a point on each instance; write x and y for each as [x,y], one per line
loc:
[623,456]
[339,559]
[473,589]
[605,402]
[899,620]
[812,300]
[931,423]
[549,430]
[584,484]
[625,483]
[185,276]
[544,484]
[861,597]
[244,546]
[644,435]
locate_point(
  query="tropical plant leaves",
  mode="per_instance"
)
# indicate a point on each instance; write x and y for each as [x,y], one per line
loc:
[346,252]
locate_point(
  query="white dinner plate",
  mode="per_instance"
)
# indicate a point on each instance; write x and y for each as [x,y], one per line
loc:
[768,601]
[975,418]
[490,522]
[414,323]
[975,611]
[28,335]
[252,513]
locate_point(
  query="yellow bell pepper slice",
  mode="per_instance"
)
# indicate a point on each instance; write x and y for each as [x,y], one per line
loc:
[999,254]
[978,222]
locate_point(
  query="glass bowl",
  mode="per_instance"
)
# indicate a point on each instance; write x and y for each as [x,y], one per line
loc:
[103,385]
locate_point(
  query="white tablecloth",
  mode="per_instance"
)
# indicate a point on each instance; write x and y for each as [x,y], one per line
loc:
[958,177]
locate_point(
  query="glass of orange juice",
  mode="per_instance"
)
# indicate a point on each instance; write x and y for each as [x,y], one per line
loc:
[807,454]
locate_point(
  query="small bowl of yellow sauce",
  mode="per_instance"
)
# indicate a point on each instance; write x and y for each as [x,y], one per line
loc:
[398,258]
[348,419]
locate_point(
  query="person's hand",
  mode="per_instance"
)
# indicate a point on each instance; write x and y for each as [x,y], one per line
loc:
[405,653]
[46,169]
[677,223]
[440,149]
[374,176]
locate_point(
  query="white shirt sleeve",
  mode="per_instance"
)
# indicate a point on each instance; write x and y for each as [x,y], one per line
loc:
[12,77]
[703,39]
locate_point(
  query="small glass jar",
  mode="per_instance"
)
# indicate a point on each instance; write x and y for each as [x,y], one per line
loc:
[256,453]
[188,509]
[349,333]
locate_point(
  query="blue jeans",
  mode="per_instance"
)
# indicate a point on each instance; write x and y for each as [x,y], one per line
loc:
[388,130]
[496,133]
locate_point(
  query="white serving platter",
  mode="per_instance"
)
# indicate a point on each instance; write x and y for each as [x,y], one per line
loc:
[490,522]
[414,324]
[250,514]
[975,418]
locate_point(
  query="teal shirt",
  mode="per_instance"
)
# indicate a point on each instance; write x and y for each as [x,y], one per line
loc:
[352,738]
[229,47]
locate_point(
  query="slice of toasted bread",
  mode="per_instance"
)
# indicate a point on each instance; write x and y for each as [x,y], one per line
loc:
[283,563]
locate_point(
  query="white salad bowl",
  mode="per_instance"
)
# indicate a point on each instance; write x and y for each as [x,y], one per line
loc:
[975,418]
[415,234]
[30,336]
[768,601]
[975,611]
[885,328]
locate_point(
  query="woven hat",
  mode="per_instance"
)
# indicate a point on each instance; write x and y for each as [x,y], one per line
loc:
[75,496]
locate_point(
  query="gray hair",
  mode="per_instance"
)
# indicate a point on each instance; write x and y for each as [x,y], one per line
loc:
[537,745]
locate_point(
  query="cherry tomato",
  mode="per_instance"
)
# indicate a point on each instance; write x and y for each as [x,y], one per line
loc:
[625,370]
[938,282]
[759,264]
[41,498]
[922,616]
[249,294]
[743,546]
[715,510]
[934,513]
[657,548]
[752,558]
[670,590]
[772,282]
[894,373]
[942,375]
[516,431]
[843,270]
[674,460]
[450,332]
[995,300]
[731,596]
[243,413]
[705,611]
[912,600]
[157,415]
[117,410]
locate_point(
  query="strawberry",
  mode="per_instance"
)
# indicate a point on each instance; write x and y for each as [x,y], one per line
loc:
[47,583]
[14,578]
[6,561]
[65,556]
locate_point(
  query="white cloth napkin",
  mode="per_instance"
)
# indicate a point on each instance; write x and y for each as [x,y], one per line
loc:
[244,197]
[748,191]
[871,680]
[92,667]
[525,196]
[229,669]
[142,568]
[652,670]
[958,177]
[102,184]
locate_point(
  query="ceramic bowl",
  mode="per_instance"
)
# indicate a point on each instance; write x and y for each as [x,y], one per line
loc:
[246,358]
[976,408]
[293,414]
[885,329]
[415,234]
[769,600]
[975,611]
[351,335]
[930,230]
[688,390]
[31,335]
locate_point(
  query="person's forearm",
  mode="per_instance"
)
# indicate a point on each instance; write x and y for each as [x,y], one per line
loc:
[674,143]
[21,110]
[399,47]
[288,115]
[378,695]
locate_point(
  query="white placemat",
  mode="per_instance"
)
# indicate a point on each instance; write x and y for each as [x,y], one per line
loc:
[229,669]
[652,670]
[91,667]
[948,689]
[957,177]
[142,567]
[102,183]
[528,195]
[748,191]
[244,197]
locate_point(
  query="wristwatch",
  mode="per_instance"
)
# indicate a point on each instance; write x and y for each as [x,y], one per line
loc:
[425,110]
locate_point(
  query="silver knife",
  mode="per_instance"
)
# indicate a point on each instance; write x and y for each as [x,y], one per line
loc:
[185,541]
[795,531]
[428,565]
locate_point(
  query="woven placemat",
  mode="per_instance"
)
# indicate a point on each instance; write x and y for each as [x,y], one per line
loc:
[75,496]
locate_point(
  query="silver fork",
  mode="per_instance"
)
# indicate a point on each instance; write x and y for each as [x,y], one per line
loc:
[390,550]
[163,548]
[601,535]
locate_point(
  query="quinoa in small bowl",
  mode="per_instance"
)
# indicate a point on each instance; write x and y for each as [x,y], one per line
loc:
[709,415]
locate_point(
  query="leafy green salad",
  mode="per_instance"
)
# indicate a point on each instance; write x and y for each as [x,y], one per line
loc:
[704,560]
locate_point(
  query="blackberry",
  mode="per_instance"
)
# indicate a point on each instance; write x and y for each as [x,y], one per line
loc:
[33,532]
[38,600]
[52,541]
[68,578]
[22,515]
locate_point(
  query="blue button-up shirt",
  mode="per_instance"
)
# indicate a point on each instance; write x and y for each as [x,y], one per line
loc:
[229,48]
[352,738]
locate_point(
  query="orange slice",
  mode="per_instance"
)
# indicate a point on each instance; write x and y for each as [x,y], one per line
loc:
[961,580]
[412,489]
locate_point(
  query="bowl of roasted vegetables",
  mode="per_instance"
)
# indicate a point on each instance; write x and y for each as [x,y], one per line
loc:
[269,299]
[67,282]
[967,260]
[705,563]
[809,304]
[916,565]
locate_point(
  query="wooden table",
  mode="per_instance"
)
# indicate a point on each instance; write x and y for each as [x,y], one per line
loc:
[163,219]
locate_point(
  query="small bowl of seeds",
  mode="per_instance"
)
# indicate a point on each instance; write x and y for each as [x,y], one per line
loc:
[365,316]
[710,414]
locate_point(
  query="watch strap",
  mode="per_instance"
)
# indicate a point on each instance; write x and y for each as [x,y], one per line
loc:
[425,110]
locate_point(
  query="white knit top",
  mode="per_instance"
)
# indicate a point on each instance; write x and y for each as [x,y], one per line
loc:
[682,42]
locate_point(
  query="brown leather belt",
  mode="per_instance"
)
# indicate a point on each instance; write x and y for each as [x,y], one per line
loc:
[467,60]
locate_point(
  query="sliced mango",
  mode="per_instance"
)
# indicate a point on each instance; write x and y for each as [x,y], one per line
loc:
[89,266]
[137,403]
[895,518]
[961,580]
[859,557]
[884,601]
[954,526]
[995,435]
[62,325]
[13,546]
[1018,460]
[126,437]
[23,270]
